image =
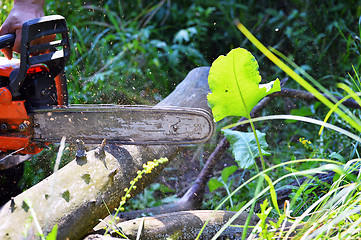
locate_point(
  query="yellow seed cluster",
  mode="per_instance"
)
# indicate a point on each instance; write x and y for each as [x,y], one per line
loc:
[147,168]
[304,141]
[150,165]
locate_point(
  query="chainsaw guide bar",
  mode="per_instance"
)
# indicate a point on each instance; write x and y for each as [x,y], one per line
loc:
[137,125]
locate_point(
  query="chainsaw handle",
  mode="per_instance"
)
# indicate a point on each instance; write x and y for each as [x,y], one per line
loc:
[7,40]
[55,53]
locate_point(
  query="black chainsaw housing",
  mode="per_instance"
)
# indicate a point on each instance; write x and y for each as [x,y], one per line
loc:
[53,55]
[39,90]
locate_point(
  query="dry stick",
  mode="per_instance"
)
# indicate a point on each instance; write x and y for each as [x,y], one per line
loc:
[307,96]
[198,188]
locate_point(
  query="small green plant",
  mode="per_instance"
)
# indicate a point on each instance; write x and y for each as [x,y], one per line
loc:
[154,195]
[234,82]
[147,168]
[244,146]
[222,182]
[221,88]
[266,228]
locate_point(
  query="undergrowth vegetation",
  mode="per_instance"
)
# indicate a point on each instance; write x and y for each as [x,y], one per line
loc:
[136,52]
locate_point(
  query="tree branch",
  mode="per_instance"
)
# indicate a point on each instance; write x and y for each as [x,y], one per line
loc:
[307,96]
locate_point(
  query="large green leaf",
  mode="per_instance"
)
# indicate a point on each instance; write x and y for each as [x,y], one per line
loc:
[235,76]
[244,146]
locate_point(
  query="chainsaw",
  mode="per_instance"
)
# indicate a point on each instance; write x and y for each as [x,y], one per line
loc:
[34,109]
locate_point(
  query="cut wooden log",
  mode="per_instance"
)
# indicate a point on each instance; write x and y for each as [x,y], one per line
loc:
[184,226]
[79,194]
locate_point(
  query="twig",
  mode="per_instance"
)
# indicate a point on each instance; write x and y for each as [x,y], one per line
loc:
[307,96]
[198,188]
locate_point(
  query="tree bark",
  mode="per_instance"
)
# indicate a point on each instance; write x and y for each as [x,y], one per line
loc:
[79,194]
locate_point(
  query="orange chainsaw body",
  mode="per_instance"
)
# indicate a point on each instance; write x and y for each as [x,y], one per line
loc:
[14,119]
[34,81]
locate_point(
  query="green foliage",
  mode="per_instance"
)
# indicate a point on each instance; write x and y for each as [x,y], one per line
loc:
[268,227]
[228,171]
[122,55]
[223,186]
[234,82]
[305,192]
[315,208]
[322,42]
[214,183]
[244,146]
[303,111]
[155,195]
[42,165]
[5,7]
